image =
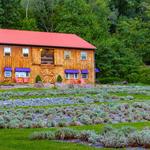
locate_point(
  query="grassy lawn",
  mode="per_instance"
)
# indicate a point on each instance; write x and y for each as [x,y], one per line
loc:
[17,139]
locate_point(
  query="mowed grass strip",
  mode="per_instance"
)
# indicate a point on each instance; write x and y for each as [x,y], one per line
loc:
[18,139]
[136,96]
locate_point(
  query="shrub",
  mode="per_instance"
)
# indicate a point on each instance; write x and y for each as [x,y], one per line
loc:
[89,136]
[26,123]
[2,122]
[110,137]
[145,75]
[133,77]
[38,79]
[40,123]
[114,139]
[85,119]
[51,123]
[127,130]
[14,123]
[59,79]
[62,123]
[42,135]
[66,134]
[109,80]
[140,138]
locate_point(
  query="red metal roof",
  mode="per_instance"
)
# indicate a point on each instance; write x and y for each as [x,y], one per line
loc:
[21,37]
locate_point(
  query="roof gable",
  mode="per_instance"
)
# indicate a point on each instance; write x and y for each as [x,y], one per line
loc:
[49,39]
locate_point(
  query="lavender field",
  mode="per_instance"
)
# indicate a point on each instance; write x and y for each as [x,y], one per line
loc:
[57,115]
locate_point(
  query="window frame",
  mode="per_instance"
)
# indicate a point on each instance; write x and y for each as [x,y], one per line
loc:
[20,74]
[5,52]
[65,54]
[74,76]
[81,55]
[24,53]
[85,74]
[9,75]
[67,75]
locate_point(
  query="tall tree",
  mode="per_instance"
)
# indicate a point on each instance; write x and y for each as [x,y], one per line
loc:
[44,12]
[10,13]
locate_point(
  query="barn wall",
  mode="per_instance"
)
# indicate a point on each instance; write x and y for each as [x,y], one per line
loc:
[48,73]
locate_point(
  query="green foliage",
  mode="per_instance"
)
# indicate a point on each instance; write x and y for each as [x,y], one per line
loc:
[38,79]
[108,80]
[29,24]
[118,28]
[10,13]
[59,79]
[145,75]
[133,77]
[66,134]
[42,135]
[43,12]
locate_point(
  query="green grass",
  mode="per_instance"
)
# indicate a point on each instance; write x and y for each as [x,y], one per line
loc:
[23,89]
[136,96]
[18,139]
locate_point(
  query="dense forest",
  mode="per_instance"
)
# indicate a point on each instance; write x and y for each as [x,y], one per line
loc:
[120,29]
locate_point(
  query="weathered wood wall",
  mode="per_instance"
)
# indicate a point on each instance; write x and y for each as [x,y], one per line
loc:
[48,73]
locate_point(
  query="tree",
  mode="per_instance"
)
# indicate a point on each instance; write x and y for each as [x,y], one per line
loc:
[43,12]
[10,13]
[115,59]
[135,34]
[29,24]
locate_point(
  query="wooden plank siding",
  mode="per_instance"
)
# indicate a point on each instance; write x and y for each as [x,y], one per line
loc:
[48,72]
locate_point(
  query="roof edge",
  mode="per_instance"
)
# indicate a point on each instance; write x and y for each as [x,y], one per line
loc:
[47,46]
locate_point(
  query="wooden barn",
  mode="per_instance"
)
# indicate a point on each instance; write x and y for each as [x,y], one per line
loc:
[26,54]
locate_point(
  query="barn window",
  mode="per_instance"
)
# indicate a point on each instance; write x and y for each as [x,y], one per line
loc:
[7,72]
[67,54]
[83,55]
[7,51]
[84,76]
[22,74]
[84,73]
[67,76]
[75,76]
[25,52]
[47,56]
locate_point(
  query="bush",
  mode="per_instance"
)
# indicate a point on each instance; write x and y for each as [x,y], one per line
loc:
[2,122]
[59,79]
[89,136]
[140,138]
[38,79]
[110,137]
[109,80]
[145,75]
[66,134]
[14,123]
[42,135]
[114,139]
[133,78]
[127,130]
